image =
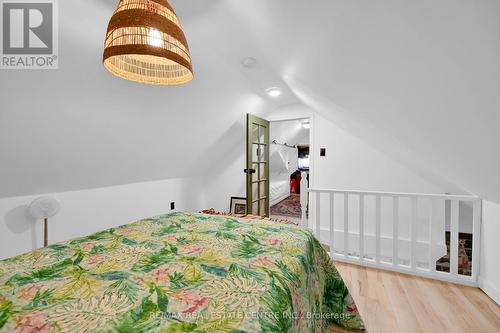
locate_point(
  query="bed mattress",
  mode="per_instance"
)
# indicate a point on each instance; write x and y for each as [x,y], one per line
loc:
[178,273]
[279,190]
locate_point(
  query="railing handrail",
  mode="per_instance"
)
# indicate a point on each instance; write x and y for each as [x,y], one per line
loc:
[399,194]
[371,254]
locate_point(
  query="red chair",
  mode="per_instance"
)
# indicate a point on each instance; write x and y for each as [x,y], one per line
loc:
[298,177]
[293,185]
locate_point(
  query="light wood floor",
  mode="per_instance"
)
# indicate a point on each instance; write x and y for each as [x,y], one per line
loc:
[393,302]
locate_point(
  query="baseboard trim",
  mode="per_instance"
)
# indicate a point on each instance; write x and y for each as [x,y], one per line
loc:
[490,290]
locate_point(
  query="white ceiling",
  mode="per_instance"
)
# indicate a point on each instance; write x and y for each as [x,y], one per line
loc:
[419,80]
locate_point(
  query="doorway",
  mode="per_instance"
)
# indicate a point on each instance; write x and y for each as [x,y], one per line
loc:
[289,159]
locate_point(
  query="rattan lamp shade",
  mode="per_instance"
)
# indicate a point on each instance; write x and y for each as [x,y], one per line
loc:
[145,43]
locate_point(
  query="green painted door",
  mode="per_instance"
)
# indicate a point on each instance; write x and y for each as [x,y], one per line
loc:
[257,170]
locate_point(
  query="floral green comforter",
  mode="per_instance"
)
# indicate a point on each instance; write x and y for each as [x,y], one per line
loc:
[178,273]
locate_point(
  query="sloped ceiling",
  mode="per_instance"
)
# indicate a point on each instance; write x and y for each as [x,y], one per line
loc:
[418,79]
[290,132]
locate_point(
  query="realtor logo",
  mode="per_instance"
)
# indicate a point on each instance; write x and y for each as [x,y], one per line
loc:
[29,34]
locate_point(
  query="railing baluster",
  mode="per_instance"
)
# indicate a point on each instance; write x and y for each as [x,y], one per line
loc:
[377,228]
[476,236]
[332,228]
[346,225]
[454,237]
[303,199]
[395,231]
[432,241]
[400,258]
[413,233]
[318,215]
[361,227]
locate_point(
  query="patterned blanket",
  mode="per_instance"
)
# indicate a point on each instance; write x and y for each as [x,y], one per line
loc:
[178,273]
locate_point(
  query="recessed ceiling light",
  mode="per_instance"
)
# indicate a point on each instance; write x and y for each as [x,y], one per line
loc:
[274,91]
[249,62]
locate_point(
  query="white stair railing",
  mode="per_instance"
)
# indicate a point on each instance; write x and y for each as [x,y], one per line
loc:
[304,195]
[403,232]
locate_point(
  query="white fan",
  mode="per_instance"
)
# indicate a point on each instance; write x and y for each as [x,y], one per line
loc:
[43,208]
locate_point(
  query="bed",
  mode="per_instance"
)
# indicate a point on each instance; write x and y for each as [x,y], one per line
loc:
[279,191]
[178,272]
[283,162]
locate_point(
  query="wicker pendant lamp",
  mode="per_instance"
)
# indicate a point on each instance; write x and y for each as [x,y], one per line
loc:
[145,43]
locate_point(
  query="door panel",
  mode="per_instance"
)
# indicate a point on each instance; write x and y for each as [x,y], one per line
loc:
[257,166]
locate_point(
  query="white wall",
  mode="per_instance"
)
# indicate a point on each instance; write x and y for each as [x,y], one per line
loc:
[225,178]
[283,161]
[226,181]
[489,278]
[87,211]
[291,132]
[351,163]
